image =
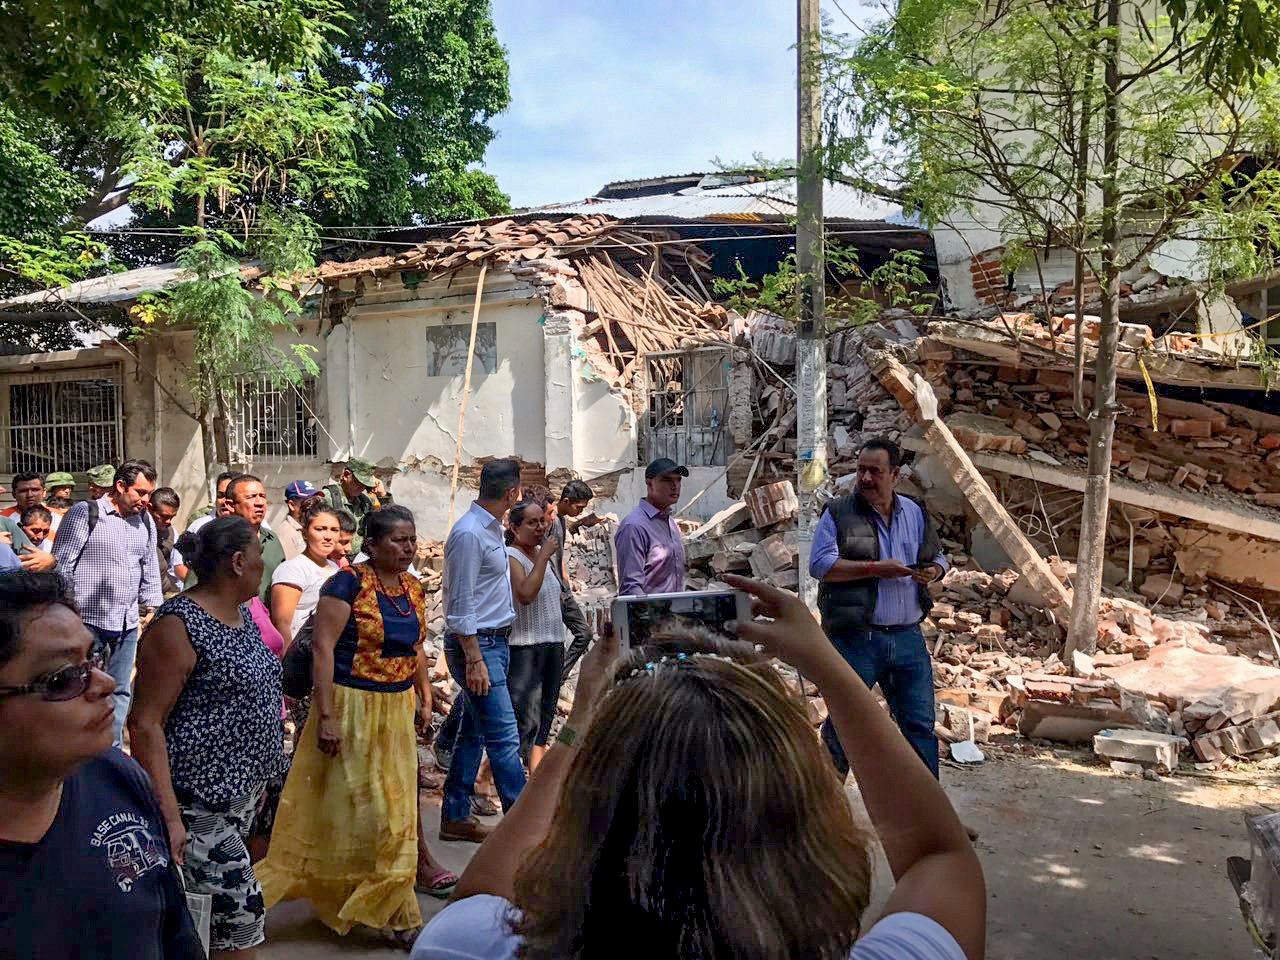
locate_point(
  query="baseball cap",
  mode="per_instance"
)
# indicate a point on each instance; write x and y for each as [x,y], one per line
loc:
[300,490]
[362,470]
[60,478]
[664,465]
[103,475]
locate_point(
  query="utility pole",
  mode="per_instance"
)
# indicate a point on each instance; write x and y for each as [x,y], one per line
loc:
[811,346]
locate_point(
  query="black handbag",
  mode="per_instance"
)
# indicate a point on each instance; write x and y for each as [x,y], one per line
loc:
[295,669]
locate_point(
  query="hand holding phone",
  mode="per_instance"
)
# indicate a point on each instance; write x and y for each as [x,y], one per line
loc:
[636,618]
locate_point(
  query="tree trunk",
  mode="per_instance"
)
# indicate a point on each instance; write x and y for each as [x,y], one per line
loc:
[207,446]
[1083,632]
[222,430]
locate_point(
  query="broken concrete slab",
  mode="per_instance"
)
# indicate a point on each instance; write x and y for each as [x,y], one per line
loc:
[1071,722]
[732,517]
[1179,675]
[1146,747]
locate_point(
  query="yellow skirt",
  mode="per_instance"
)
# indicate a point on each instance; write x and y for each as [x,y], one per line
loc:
[346,834]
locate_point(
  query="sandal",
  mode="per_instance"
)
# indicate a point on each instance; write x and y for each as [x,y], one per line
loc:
[404,939]
[438,884]
[482,806]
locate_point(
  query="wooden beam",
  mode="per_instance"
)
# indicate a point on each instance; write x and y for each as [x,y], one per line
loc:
[917,399]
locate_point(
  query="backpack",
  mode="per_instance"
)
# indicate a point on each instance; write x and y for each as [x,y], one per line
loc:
[92,519]
[295,668]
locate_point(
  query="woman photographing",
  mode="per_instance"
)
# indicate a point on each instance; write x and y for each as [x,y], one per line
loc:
[692,813]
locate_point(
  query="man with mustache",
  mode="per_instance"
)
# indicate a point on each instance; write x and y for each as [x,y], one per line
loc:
[875,552]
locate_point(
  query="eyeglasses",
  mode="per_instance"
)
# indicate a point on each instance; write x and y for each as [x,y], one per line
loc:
[65,683]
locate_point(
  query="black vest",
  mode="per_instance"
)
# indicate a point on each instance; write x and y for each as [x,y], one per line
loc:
[850,604]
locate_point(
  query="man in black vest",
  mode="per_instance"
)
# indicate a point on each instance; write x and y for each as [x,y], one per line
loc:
[874,552]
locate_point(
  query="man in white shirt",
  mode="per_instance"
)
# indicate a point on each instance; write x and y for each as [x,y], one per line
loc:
[479,612]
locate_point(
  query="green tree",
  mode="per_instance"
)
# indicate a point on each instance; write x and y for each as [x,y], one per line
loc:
[1090,125]
[235,327]
[444,77]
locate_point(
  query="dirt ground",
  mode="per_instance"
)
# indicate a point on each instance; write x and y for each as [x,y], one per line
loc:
[1079,862]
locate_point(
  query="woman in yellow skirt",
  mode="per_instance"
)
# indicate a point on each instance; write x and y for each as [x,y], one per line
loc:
[346,835]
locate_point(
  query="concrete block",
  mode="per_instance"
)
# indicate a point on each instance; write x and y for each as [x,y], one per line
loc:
[1146,747]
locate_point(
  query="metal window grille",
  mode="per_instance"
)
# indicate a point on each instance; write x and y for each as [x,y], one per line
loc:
[68,420]
[273,422]
[687,394]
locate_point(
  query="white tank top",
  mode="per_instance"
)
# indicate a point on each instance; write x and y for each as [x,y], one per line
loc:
[539,621]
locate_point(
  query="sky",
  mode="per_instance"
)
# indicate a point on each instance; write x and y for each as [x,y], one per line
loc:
[605,90]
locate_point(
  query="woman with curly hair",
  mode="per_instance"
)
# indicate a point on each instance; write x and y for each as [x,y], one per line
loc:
[693,814]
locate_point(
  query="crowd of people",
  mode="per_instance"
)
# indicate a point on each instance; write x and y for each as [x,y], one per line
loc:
[685,792]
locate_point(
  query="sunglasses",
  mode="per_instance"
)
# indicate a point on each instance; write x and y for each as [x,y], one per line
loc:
[65,683]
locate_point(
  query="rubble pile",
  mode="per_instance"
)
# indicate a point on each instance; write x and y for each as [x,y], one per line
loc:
[997,659]
[858,407]
[589,556]
[754,537]
[1219,448]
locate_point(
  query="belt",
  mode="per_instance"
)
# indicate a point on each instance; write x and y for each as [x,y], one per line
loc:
[893,627]
[503,632]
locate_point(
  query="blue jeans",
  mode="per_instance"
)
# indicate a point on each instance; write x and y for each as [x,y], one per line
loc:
[896,658]
[123,649]
[488,724]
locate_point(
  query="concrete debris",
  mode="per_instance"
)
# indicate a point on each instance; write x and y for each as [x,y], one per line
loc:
[1156,750]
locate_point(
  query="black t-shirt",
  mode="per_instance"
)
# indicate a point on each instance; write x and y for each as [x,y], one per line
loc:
[101,883]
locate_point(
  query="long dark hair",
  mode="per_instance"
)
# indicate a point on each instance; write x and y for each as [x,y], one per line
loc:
[701,818]
[206,550]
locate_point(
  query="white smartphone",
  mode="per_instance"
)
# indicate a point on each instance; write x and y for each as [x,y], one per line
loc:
[635,617]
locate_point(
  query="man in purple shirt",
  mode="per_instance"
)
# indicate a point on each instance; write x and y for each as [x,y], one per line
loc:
[874,552]
[650,551]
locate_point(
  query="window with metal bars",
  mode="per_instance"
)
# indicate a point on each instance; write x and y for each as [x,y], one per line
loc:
[687,394]
[273,421]
[64,420]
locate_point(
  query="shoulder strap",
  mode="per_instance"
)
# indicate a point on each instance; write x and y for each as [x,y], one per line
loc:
[334,494]
[92,519]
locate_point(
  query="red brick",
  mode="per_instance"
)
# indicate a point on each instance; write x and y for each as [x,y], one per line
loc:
[1238,480]
[1267,499]
[1270,442]
[1191,428]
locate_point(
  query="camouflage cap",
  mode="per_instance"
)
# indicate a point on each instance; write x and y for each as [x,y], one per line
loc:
[103,475]
[362,470]
[59,478]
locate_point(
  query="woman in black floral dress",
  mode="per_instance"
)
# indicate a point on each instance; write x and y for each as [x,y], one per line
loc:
[206,725]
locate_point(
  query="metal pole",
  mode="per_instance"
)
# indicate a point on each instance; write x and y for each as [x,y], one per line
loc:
[811,387]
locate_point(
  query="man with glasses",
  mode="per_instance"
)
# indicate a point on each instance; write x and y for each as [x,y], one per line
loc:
[106,551]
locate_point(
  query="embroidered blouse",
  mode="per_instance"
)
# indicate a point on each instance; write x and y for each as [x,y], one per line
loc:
[377,649]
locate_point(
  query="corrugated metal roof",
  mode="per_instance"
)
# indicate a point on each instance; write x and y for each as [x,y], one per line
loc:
[116,288]
[124,287]
[769,198]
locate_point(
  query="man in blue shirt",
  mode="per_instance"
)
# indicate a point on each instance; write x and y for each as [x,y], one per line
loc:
[874,552]
[478,612]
